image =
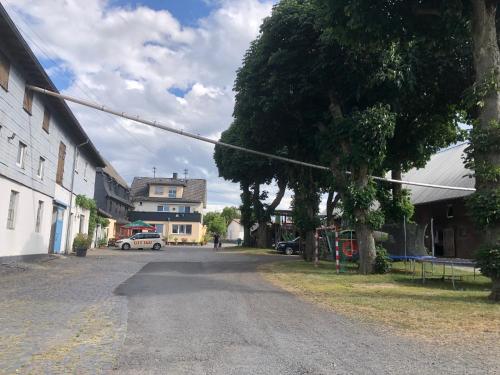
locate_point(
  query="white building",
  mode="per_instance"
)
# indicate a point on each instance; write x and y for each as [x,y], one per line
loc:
[235,230]
[46,158]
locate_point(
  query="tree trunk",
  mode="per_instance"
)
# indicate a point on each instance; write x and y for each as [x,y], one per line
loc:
[331,203]
[364,233]
[397,189]
[246,213]
[262,235]
[495,290]
[487,62]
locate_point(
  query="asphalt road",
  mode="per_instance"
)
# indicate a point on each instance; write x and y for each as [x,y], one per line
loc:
[196,312]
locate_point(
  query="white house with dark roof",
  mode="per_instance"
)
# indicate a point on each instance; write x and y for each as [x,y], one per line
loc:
[46,158]
[174,205]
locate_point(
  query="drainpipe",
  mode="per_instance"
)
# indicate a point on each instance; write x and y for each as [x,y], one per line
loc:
[70,224]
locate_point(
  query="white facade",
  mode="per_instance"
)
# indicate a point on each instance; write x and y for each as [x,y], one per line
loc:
[235,230]
[33,178]
[148,206]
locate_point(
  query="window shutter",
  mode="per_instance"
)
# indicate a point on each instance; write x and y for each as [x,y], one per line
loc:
[4,71]
[60,163]
[46,120]
[28,100]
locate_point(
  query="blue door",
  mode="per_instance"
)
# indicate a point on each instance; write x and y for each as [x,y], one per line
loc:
[58,230]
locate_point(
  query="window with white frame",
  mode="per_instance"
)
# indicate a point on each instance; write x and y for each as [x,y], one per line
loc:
[12,213]
[182,228]
[41,168]
[172,192]
[159,190]
[21,155]
[162,208]
[184,209]
[39,217]
[159,228]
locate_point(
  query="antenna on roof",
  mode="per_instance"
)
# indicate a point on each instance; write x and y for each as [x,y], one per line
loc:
[154,172]
[185,174]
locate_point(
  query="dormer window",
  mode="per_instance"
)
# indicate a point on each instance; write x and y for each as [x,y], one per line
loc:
[159,190]
[172,192]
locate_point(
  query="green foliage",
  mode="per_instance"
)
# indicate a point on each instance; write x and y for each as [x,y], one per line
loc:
[102,221]
[103,242]
[230,213]
[382,261]
[488,261]
[395,209]
[89,204]
[81,241]
[484,206]
[215,222]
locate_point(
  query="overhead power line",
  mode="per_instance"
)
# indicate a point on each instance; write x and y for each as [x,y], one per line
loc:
[158,125]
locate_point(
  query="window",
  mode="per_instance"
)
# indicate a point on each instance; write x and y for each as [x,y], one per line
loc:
[11,215]
[46,120]
[449,211]
[162,208]
[39,216]
[21,155]
[4,71]
[28,100]
[182,229]
[159,190]
[159,228]
[81,228]
[85,170]
[184,209]
[60,163]
[172,192]
[41,168]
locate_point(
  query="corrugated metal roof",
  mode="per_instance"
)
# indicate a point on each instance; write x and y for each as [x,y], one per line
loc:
[444,168]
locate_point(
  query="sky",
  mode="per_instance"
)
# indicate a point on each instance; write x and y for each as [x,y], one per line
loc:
[173,61]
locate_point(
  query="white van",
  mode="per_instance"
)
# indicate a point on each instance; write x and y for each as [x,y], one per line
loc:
[141,241]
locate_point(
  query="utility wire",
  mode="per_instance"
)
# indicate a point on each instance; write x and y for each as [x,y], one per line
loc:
[155,124]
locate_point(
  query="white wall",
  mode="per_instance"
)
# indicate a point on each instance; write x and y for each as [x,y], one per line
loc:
[17,124]
[235,231]
[173,207]
[23,240]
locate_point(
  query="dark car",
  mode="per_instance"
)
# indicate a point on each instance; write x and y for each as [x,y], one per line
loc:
[289,247]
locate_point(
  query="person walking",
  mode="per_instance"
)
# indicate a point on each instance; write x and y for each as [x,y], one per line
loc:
[216,241]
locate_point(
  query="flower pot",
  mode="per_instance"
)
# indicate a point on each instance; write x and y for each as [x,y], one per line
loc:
[81,252]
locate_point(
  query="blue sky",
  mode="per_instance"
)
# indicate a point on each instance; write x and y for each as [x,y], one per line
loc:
[188,12]
[176,67]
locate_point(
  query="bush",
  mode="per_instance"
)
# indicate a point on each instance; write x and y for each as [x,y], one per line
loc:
[488,261]
[382,261]
[81,241]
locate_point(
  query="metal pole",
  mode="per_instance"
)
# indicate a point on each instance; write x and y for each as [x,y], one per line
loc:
[337,253]
[155,124]
[404,228]
[432,236]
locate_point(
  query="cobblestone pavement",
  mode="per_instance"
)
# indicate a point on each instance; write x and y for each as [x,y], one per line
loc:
[61,316]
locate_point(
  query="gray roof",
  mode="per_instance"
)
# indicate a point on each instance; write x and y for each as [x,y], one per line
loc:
[195,189]
[444,168]
[111,172]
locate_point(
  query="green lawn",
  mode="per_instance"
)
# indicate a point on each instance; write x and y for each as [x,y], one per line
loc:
[432,311]
[248,250]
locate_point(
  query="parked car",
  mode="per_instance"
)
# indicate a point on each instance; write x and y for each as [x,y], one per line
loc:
[141,241]
[289,247]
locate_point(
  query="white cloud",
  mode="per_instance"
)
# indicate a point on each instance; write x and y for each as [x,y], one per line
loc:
[128,58]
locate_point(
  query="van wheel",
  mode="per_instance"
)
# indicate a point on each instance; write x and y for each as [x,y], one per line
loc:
[125,246]
[289,251]
[156,246]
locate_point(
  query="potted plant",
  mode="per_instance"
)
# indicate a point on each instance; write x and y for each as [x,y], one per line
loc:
[80,244]
[103,242]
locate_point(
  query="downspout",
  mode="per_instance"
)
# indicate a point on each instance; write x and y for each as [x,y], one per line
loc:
[70,224]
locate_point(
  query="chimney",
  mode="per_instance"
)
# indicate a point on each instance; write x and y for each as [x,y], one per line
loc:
[174,176]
